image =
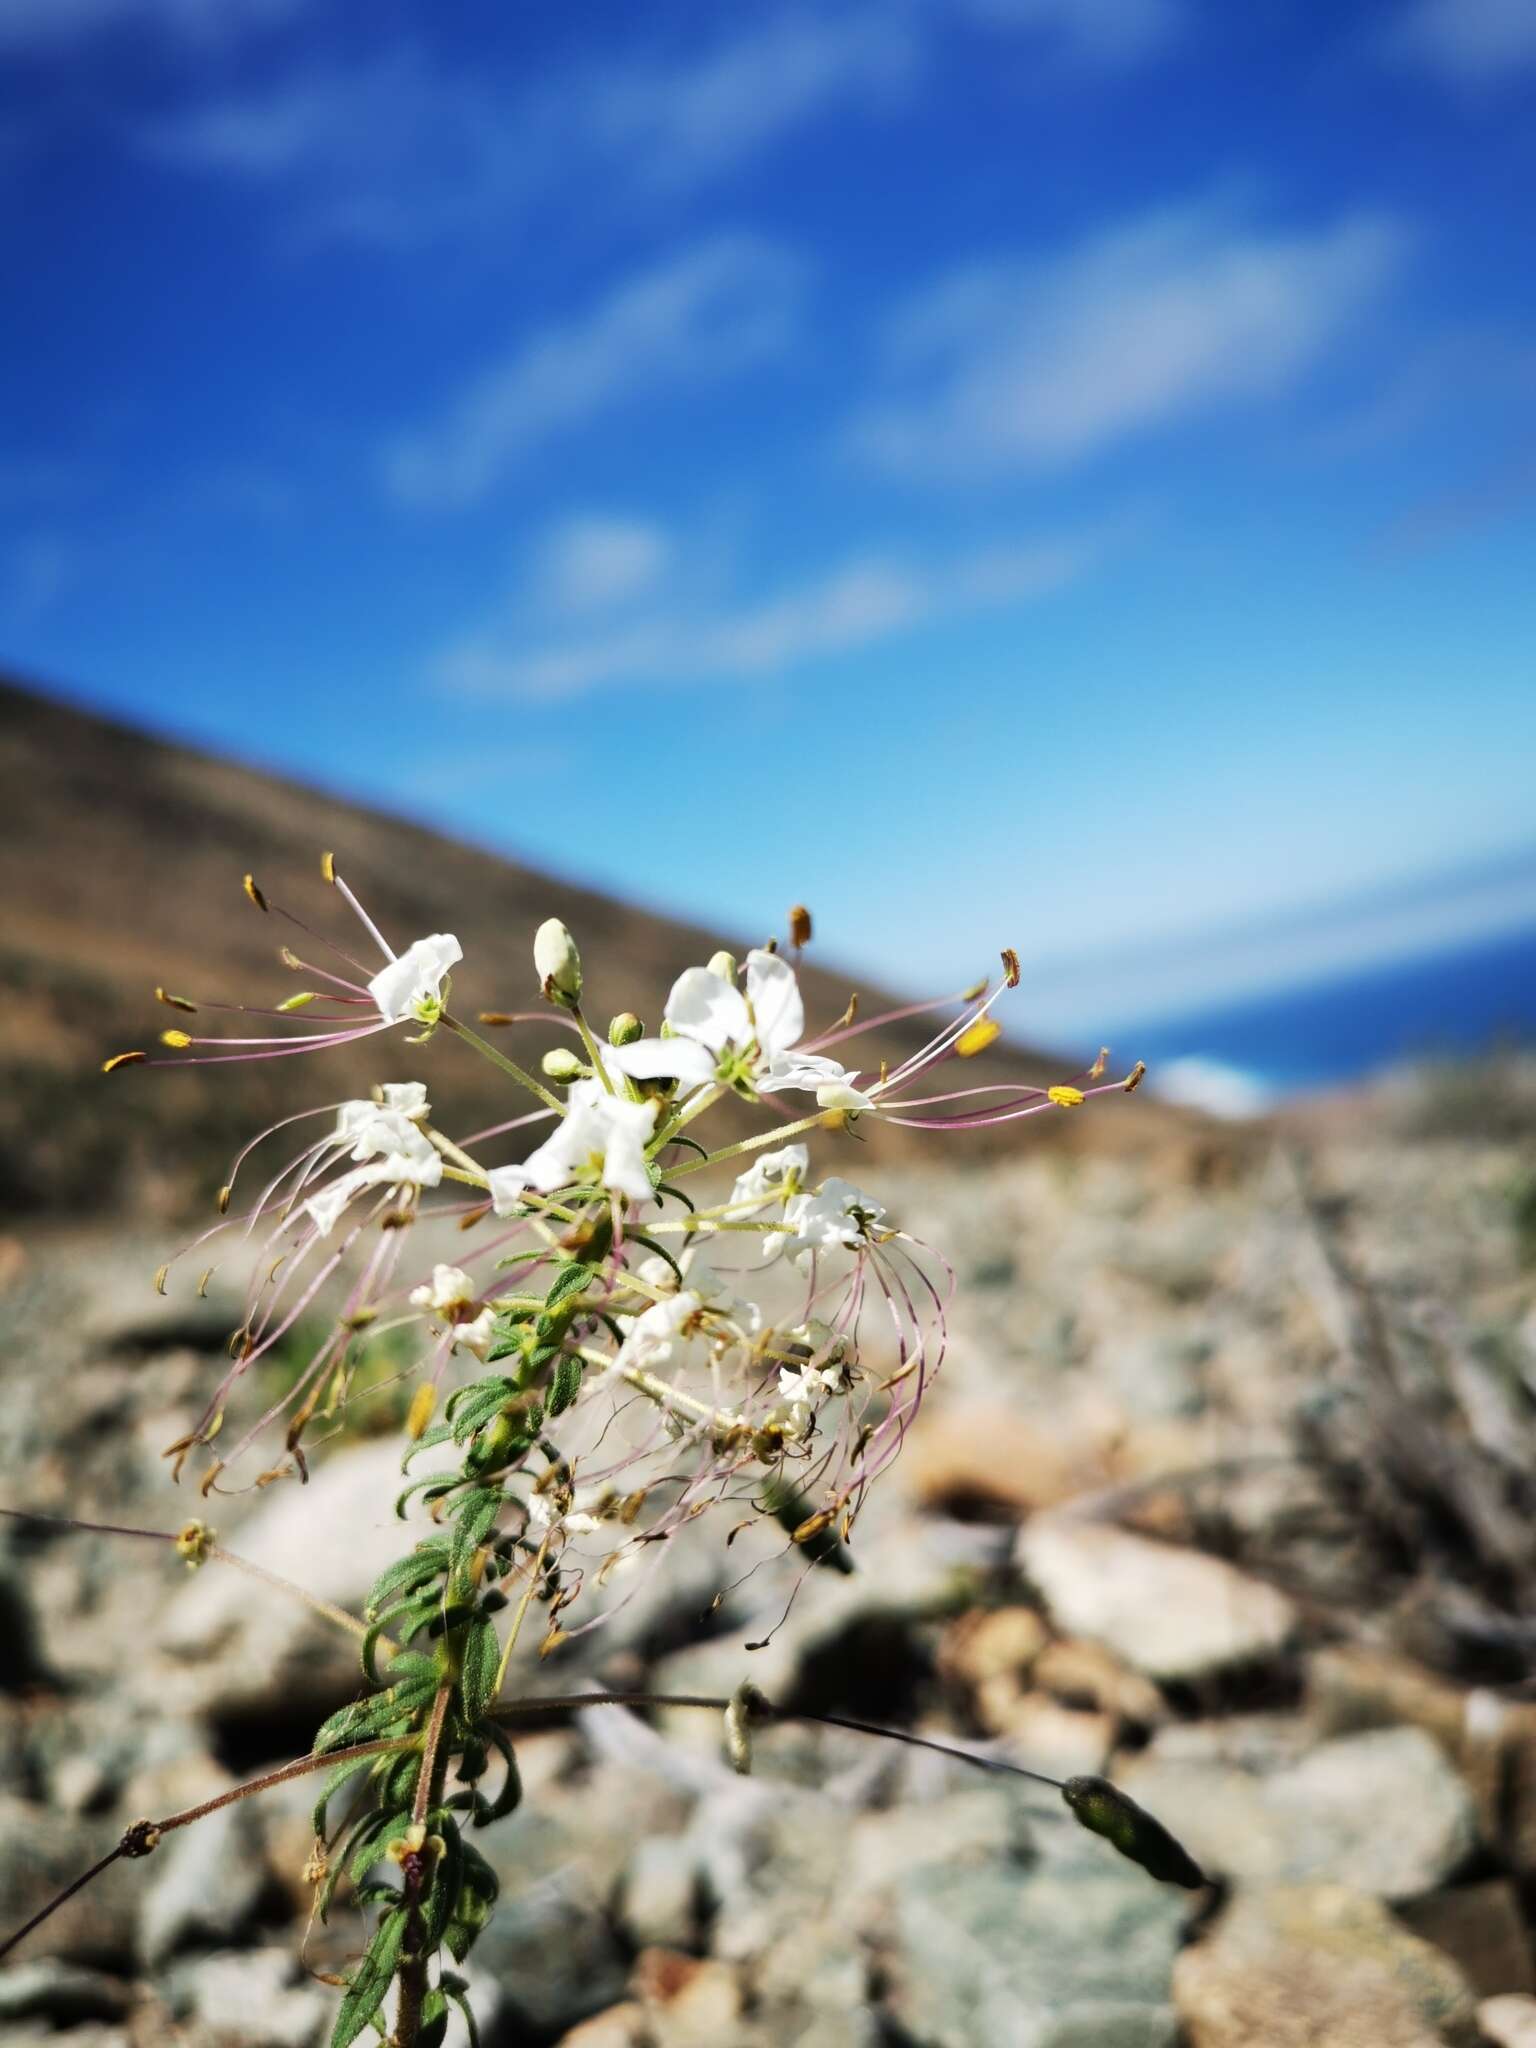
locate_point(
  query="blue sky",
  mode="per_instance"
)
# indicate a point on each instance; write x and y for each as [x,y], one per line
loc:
[1059,472]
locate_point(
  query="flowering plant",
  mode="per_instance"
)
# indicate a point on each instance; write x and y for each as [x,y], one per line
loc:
[633,1330]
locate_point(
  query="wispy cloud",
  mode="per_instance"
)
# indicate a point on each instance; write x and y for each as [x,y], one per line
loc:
[1109,32]
[1470,42]
[597,561]
[1033,364]
[709,311]
[49,27]
[864,600]
[402,147]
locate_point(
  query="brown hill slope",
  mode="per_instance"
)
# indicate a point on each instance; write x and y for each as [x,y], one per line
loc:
[122,865]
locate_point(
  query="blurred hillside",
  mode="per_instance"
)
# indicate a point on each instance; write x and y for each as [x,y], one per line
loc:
[123,859]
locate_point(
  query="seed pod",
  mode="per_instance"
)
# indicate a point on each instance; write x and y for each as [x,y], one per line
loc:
[1105,1810]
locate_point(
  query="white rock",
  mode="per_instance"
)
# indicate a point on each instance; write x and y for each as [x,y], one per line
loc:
[1172,1613]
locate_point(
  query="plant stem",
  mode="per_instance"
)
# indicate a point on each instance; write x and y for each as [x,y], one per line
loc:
[414,1977]
[499,1059]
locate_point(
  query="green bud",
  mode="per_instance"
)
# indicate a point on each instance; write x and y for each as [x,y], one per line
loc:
[625,1028]
[561,1064]
[558,963]
[723,964]
[1105,1810]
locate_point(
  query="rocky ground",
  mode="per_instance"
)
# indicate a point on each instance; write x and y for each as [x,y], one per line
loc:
[1224,1491]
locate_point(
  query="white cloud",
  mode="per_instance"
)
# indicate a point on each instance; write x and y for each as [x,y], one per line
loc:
[1111,32]
[1472,42]
[1034,364]
[596,561]
[397,148]
[865,600]
[714,309]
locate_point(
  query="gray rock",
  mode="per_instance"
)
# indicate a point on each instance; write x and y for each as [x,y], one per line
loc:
[1074,1952]
[42,1851]
[1508,2021]
[1169,1612]
[1382,1813]
[659,1895]
[260,1998]
[237,1647]
[1293,1968]
[206,1884]
[61,1993]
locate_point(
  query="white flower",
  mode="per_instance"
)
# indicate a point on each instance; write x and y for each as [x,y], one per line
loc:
[600,1135]
[770,1176]
[449,1288]
[836,1217]
[545,1518]
[393,1152]
[478,1334]
[828,1080]
[412,986]
[711,1018]
[687,1329]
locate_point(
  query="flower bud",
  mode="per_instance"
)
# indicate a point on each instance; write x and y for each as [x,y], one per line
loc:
[625,1028]
[558,963]
[723,964]
[561,1064]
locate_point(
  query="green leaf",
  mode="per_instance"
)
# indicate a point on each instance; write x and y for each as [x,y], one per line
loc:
[333,1784]
[571,1279]
[439,1433]
[443,1886]
[653,1245]
[456,1988]
[475,1414]
[481,1661]
[475,1518]
[565,1385]
[511,1793]
[371,1979]
[418,1565]
[434,2020]
[429,1489]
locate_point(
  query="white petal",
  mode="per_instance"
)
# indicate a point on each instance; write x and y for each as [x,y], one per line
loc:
[704,1007]
[665,1059]
[415,977]
[774,995]
[800,1070]
[407,1098]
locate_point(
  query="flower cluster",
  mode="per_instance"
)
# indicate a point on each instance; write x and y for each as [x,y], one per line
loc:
[625,1328]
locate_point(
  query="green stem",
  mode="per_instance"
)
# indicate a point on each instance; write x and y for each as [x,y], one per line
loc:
[805,1123]
[499,1059]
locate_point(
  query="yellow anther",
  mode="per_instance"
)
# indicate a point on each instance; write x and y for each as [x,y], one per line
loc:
[423,1401]
[224,1195]
[202,1282]
[1066,1098]
[1010,967]
[123,1059]
[161,1273]
[301,1001]
[194,1540]
[812,1527]
[799,925]
[1134,1078]
[289,958]
[171,1002]
[977,1037]
[1096,1071]
[177,1040]
[248,883]
[328,866]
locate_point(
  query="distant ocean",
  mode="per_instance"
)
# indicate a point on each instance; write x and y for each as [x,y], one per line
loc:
[1466,1002]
